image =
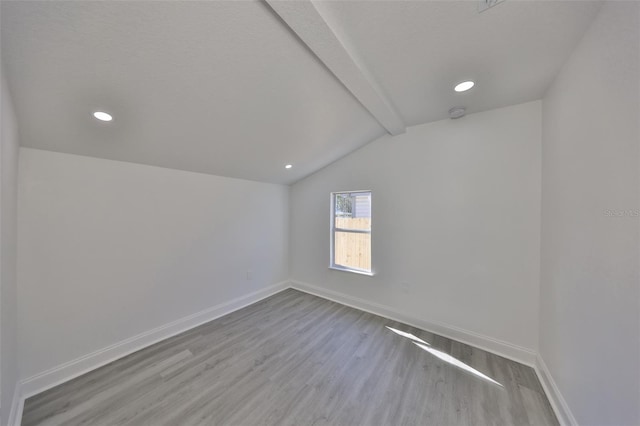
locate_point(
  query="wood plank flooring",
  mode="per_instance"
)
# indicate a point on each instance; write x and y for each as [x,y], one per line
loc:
[296,359]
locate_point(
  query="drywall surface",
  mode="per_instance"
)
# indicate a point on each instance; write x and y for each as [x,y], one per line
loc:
[8,251]
[456,223]
[589,334]
[109,250]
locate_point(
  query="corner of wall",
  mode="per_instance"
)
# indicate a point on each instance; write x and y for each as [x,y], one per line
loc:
[557,401]
[290,232]
[17,407]
[9,149]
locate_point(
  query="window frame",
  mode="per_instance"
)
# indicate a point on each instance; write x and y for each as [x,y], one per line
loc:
[333,230]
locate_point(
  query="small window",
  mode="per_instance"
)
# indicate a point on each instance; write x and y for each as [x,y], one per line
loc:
[351,231]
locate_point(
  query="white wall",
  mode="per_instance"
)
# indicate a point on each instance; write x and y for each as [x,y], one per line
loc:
[8,232]
[589,334]
[456,216]
[110,249]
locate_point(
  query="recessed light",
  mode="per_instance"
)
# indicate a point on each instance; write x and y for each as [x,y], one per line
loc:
[288,166]
[464,86]
[102,116]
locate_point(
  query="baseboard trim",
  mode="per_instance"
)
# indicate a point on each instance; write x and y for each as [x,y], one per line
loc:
[79,366]
[558,403]
[72,369]
[504,349]
[17,405]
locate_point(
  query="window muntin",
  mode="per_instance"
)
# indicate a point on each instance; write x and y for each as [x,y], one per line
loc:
[351,231]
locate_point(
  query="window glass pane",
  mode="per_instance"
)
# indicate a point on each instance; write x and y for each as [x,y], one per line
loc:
[353,211]
[343,205]
[352,250]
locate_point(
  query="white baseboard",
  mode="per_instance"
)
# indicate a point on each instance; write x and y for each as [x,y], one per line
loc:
[69,370]
[558,403]
[507,350]
[17,404]
[504,349]
[72,369]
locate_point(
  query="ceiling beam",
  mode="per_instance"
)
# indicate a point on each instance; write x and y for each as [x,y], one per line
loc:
[304,18]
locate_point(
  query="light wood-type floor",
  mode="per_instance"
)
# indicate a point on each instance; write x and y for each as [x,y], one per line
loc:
[296,359]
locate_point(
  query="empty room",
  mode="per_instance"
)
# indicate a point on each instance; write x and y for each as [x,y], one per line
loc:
[320,212]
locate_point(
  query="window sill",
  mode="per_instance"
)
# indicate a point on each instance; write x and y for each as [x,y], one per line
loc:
[354,271]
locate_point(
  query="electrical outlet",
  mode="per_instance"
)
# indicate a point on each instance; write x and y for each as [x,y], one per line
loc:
[249,275]
[405,287]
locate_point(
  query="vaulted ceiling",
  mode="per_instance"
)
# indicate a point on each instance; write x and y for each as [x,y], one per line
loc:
[241,88]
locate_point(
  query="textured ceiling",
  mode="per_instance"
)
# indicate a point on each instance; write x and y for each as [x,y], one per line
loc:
[227,88]
[214,87]
[418,50]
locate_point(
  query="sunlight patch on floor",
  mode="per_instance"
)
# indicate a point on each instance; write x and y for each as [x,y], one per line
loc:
[441,355]
[456,362]
[407,335]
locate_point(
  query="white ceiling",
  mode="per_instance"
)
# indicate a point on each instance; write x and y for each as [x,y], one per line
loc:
[228,88]
[419,50]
